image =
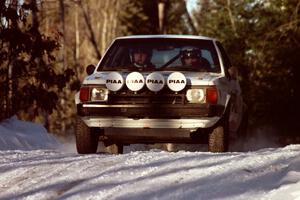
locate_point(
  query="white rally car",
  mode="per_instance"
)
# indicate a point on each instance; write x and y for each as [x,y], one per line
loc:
[166,100]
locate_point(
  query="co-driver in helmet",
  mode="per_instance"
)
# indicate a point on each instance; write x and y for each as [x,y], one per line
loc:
[191,57]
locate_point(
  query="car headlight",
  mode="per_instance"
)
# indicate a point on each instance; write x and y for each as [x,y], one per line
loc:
[195,96]
[99,94]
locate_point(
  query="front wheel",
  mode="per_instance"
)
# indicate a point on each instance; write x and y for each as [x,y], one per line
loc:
[86,139]
[217,140]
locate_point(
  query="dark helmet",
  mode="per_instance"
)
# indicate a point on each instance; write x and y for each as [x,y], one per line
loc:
[141,50]
[144,50]
[190,52]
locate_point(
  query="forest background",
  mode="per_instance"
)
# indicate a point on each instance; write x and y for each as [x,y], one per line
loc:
[45,46]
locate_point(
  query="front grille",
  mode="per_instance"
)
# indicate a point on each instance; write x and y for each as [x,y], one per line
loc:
[146,97]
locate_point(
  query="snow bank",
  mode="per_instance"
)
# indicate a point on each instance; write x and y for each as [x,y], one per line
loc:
[20,135]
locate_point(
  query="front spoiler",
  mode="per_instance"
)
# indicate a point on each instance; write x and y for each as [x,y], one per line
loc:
[204,122]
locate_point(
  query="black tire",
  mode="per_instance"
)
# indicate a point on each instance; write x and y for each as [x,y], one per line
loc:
[115,149]
[217,140]
[86,140]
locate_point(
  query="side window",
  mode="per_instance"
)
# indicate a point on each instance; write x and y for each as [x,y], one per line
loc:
[207,55]
[225,58]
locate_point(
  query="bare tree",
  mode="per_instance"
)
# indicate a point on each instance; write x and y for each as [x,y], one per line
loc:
[88,23]
[77,34]
[231,18]
[190,20]
[62,19]
[86,27]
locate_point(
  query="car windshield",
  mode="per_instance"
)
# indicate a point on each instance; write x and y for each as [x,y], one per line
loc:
[161,54]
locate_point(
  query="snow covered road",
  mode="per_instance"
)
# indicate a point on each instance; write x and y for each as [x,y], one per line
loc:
[48,174]
[32,166]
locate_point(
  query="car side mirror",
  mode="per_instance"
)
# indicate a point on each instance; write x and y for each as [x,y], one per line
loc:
[233,72]
[90,69]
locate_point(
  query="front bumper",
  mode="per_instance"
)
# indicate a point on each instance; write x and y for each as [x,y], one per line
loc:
[119,122]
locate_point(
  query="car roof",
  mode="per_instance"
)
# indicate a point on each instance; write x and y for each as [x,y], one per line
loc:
[165,36]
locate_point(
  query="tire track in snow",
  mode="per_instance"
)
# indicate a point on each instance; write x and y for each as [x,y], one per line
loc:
[143,175]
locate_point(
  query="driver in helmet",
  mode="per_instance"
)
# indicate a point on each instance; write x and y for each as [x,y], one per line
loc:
[191,56]
[141,59]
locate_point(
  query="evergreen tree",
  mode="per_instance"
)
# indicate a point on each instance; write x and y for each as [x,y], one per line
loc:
[29,80]
[262,38]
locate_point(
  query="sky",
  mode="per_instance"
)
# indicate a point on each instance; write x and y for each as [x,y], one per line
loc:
[191,4]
